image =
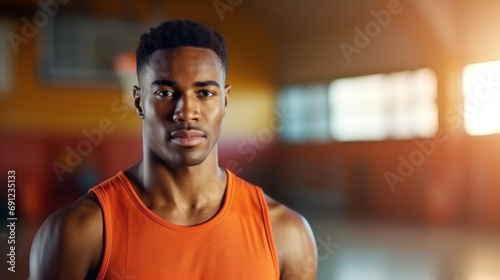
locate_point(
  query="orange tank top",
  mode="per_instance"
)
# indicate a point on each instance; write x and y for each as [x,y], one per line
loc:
[237,243]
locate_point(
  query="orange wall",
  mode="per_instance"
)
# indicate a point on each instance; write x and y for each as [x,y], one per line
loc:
[453,184]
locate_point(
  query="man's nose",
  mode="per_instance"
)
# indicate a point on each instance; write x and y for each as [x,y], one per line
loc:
[186,109]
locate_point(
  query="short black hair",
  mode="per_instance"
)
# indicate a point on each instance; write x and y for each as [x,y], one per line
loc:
[178,33]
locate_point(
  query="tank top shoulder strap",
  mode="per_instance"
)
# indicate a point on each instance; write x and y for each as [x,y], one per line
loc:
[248,197]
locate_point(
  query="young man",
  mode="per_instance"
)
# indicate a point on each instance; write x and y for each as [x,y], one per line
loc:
[176,214]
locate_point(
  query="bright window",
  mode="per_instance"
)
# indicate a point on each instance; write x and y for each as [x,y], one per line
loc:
[399,105]
[481,88]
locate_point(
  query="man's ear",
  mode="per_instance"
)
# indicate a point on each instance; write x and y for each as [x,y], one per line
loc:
[227,90]
[137,102]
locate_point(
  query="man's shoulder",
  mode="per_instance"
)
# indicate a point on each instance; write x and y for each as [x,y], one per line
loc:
[69,242]
[278,212]
[83,217]
[294,242]
[85,212]
[283,217]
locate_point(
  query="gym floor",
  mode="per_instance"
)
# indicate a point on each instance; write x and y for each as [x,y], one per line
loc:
[374,251]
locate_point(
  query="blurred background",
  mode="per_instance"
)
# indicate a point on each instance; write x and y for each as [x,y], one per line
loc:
[377,120]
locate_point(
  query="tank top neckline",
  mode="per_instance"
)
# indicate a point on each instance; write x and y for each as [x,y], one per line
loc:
[226,203]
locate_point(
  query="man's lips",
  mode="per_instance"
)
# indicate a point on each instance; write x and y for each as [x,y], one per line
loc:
[187,137]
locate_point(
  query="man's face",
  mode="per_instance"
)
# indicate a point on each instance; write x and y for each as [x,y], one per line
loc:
[182,100]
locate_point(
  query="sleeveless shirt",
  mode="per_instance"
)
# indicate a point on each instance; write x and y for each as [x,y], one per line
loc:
[237,243]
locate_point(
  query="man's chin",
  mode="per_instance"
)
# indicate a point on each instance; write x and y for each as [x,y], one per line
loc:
[189,160]
[184,157]
[190,163]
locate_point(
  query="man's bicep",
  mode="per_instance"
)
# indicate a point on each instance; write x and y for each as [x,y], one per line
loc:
[61,248]
[301,260]
[42,253]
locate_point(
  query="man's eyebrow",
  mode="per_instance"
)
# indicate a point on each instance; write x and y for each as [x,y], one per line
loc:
[164,82]
[206,83]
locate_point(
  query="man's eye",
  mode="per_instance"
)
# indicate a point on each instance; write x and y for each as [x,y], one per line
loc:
[206,93]
[164,93]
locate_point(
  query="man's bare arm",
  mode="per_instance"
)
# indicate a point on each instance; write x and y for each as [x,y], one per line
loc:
[69,244]
[295,243]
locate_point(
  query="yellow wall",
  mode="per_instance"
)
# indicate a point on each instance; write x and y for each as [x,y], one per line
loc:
[30,106]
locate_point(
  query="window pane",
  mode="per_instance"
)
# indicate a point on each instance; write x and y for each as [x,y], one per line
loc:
[356,113]
[481,88]
[309,107]
[399,105]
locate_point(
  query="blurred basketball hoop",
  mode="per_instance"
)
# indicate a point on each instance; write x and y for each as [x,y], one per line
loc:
[125,67]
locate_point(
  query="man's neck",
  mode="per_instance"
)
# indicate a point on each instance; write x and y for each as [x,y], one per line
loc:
[186,188]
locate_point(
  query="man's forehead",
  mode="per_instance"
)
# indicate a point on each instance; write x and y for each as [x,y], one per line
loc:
[184,54]
[193,60]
